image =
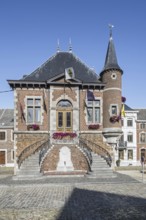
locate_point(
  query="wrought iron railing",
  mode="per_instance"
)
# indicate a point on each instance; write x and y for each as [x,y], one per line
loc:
[43,151]
[31,149]
[91,146]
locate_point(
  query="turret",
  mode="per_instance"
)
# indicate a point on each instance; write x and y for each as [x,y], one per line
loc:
[111,75]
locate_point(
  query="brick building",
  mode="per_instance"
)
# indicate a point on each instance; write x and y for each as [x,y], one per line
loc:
[6,137]
[65,115]
[141,133]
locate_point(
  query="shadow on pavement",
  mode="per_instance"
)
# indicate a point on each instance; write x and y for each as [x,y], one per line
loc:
[93,205]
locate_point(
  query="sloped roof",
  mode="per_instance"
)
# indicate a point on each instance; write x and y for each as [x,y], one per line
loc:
[127,108]
[6,117]
[57,64]
[141,115]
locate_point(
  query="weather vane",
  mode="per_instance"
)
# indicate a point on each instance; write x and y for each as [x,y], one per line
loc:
[111,27]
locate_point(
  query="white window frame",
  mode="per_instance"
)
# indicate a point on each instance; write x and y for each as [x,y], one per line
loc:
[93,107]
[129,120]
[5,136]
[140,137]
[111,106]
[12,153]
[34,97]
[143,125]
[12,135]
[130,134]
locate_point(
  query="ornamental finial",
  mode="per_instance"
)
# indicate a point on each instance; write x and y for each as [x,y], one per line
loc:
[70,46]
[58,46]
[110,28]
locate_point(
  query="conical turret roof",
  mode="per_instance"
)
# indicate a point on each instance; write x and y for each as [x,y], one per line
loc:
[111,58]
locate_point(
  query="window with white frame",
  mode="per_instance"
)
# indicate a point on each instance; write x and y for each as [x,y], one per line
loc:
[34,110]
[94,111]
[113,110]
[2,135]
[143,126]
[129,122]
[12,155]
[130,137]
[143,137]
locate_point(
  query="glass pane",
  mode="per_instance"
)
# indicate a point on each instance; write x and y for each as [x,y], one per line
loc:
[114,110]
[143,138]
[68,119]
[97,115]
[60,119]
[37,102]
[97,102]
[37,115]
[90,114]
[30,114]
[64,103]
[90,103]
[29,101]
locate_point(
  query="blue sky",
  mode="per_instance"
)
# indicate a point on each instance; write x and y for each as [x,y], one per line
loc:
[29,30]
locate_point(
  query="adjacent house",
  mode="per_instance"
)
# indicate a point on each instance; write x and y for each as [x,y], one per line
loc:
[141,133]
[7,137]
[127,150]
[67,116]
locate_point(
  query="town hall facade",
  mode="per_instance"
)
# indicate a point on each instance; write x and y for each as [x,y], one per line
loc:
[66,116]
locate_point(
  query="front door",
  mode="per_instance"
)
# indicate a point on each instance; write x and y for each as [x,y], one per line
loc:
[64,116]
[64,121]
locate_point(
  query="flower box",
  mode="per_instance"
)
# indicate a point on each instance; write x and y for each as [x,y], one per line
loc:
[64,135]
[115,118]
[94,126]
[33,127]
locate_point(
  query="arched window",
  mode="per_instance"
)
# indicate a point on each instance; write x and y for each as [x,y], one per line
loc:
[64,104]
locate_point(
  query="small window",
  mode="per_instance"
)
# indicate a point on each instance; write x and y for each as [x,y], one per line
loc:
[114,110]
[130,137]
[129,122]
[143,126]
[2,135]
[130,154]
[143,137]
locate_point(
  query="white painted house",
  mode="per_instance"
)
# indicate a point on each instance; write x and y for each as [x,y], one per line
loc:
[127,147]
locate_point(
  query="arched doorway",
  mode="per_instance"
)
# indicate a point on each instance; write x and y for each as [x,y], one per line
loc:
[64,116]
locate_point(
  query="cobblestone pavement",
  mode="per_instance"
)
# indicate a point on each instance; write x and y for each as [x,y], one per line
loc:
[79,198]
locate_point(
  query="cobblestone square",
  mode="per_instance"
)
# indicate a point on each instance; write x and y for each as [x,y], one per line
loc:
[74,198]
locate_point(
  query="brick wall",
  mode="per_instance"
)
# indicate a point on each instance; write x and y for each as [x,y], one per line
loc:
[78,159]
[20,98]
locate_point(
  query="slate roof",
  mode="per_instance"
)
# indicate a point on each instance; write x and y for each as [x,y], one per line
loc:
[6,117]
[141,115]
[127,108]
[111,58]
[57,64]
